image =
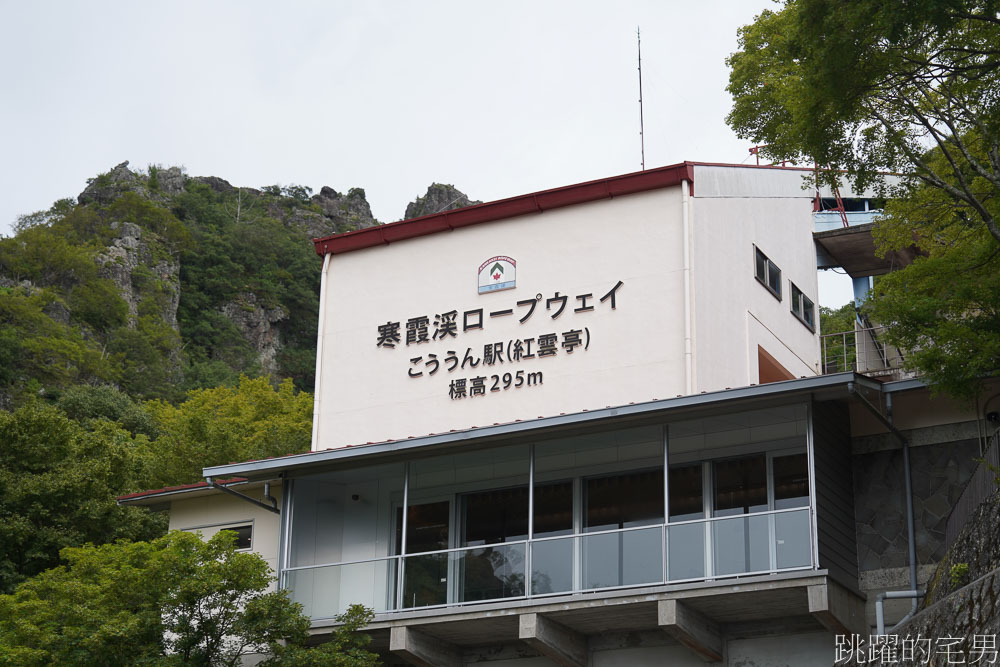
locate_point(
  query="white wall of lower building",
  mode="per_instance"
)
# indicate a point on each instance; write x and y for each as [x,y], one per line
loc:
[210,513]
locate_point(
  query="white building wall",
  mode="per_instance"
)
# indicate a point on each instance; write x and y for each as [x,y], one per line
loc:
[210,513]
[732,211]
[635,352]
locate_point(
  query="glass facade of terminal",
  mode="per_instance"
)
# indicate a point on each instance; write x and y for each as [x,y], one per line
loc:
[715,497]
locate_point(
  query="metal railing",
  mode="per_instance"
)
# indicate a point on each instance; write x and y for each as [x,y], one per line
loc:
[696,550]
[863,350]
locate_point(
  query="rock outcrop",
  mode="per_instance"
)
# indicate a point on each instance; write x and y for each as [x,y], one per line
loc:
[107,187]
[345,212]
[131,264]
[170,181]
[256,323]
[220,185]
[439,197]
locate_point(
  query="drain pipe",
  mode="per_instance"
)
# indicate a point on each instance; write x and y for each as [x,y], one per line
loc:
[887,421]
[688,324]
[893,595]
[907,480]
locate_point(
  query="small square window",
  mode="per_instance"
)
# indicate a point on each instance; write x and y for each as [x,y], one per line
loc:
[767,272]
[803,307]
[244,535]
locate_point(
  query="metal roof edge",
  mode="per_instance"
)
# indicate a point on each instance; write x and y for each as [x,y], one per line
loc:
[196,487]
[256,469]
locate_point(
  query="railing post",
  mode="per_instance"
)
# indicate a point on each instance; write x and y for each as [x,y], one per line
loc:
[531,520]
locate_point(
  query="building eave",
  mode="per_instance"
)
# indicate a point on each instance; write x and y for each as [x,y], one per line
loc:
[195,489]
[535,202]
[270,468]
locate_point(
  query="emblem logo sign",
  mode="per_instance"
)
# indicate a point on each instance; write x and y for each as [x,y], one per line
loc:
[497,273]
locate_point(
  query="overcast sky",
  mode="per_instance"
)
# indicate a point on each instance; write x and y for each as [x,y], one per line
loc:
[498,98]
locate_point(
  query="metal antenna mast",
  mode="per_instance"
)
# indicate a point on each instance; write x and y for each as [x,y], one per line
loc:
[642,137]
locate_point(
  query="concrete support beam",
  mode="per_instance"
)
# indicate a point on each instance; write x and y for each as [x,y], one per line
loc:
[691,628]
[419,649]
[839,610]
[557,642]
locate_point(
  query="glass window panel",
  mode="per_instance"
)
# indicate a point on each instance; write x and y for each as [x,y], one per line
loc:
[623,501]
[808,311]
[741,544]
[325,592]
[701,438]
[553,509]
[462,472]
[425,580]
[597,453]
[243,536]
[791,481]
[622,559]
[791,536]
[686,500]
[552,566]
[490,573]
[491,517]
[740,485]
[760,265]
[774,278]
[344,515]
[686,551]
[426,529]
[796,300]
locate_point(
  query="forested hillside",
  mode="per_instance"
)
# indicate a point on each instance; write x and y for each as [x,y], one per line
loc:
[158,324]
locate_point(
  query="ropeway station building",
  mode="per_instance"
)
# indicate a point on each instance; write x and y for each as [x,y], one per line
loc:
[599,425]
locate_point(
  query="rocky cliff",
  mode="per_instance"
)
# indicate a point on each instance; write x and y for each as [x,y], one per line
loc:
[439,197]
[159,282]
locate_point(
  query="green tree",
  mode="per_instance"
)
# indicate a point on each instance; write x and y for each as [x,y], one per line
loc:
[58,488]
[89,404]
[868,87]
[943,310]
[174,601]
[253,420]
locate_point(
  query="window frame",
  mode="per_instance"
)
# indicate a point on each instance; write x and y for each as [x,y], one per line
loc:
[798,307]
[759,254]
[231,526]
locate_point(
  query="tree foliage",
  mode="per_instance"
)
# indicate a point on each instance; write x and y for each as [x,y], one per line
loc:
[253,420]
[868,86]
[174,601]
[914,89]
[58,485]
[944,309]
[65,322]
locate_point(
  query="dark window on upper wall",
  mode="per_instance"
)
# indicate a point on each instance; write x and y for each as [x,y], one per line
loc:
[767,273]
[244,536]
[803,307]
[623,501]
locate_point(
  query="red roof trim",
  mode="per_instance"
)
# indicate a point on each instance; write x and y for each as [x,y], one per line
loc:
[537,202]
[182,487]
